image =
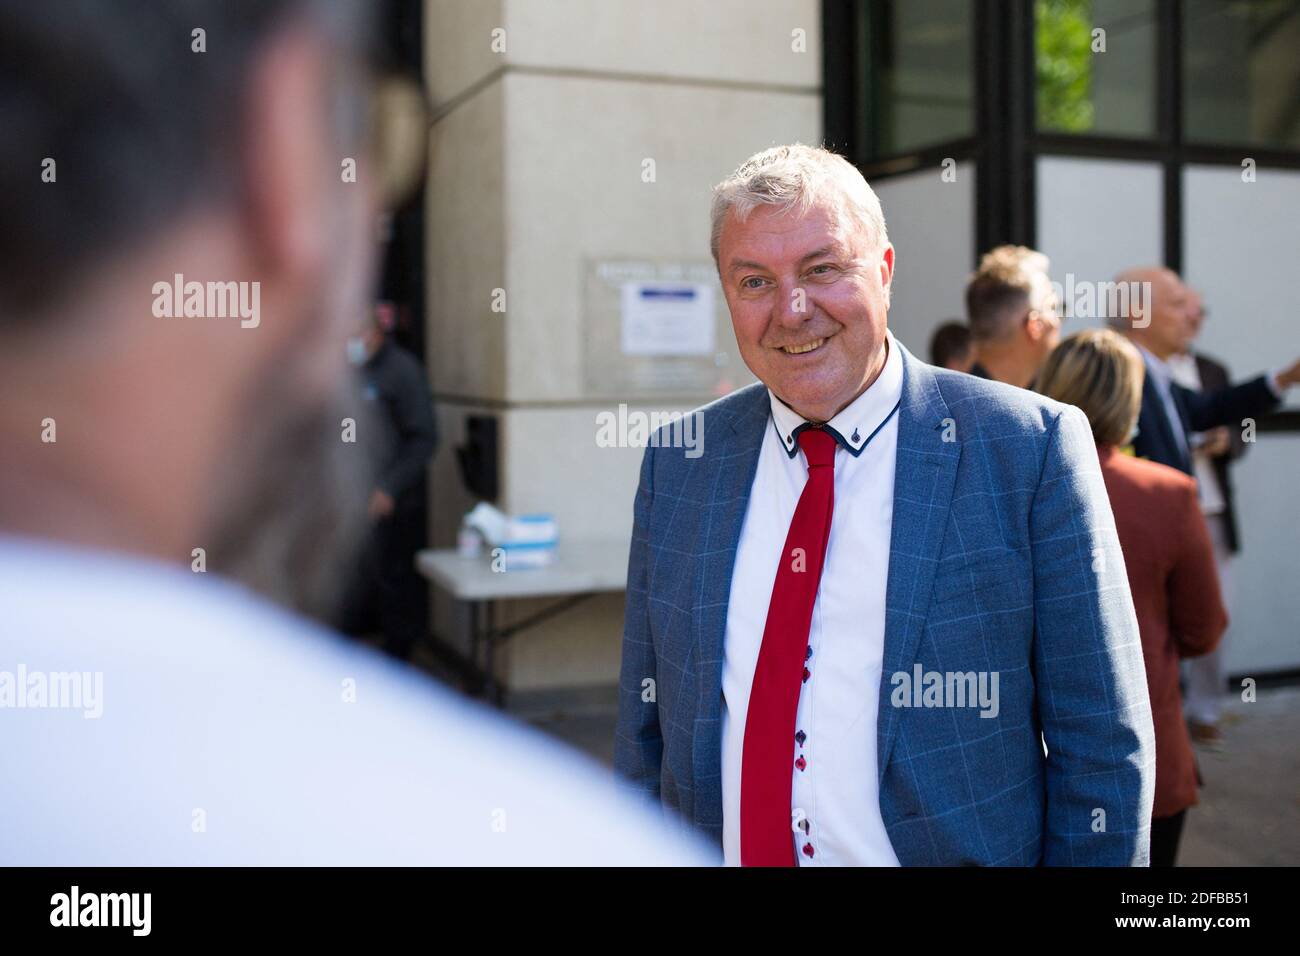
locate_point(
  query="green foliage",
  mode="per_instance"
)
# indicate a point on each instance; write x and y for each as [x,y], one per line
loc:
[1063,59]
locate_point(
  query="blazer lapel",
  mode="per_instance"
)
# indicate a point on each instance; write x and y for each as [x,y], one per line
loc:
[1158,419]
[733,460]
[924,474]
[730,479]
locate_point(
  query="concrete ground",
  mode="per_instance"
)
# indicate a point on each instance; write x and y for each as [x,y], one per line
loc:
[1249,814]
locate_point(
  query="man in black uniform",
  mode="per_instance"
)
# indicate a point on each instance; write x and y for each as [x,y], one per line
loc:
[398,432]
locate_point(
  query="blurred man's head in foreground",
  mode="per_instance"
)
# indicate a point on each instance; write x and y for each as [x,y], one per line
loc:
[181,263]
[806,267]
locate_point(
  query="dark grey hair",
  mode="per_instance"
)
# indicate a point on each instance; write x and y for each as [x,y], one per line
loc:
[139,125]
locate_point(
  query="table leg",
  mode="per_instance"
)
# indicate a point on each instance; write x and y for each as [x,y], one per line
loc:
[475,631]
[492,688]
[479,669]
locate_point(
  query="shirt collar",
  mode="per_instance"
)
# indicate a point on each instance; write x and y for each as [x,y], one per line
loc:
[859,421]
[1157,367]
[1183,371]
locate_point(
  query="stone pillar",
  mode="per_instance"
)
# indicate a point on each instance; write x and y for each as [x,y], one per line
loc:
[544,115]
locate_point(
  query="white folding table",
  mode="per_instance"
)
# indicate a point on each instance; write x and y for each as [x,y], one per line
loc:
[581,569]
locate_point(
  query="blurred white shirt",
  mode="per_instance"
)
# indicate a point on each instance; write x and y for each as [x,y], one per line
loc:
[214,728]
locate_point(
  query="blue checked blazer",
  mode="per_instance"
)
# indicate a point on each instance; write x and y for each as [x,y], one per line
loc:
[1003,557]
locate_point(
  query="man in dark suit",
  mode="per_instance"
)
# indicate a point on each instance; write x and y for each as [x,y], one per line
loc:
[401,437]
[1160,322]
[1193,429]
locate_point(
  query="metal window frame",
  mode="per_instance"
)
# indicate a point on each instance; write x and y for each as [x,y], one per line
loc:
[1007,143]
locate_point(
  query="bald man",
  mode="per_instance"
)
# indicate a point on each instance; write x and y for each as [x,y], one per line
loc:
[1162,321]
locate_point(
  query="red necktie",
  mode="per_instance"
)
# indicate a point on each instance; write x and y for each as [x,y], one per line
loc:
[767,762]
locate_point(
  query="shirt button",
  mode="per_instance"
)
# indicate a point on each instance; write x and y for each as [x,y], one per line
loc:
[801,763]
[808,850]
[806,674]
[801,737]
[804,825]
[808,653]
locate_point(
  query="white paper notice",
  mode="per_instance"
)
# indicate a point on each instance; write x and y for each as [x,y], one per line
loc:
[668,318]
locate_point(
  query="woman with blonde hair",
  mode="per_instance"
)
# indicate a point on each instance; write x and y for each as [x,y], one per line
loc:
[1167,554]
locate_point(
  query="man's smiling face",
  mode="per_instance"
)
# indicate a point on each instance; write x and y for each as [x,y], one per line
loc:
[809,297]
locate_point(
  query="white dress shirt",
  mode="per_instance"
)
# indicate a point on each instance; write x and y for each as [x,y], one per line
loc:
[195,724]
[835,795]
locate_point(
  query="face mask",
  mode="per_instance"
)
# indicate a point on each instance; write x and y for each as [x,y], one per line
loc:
[357,350]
